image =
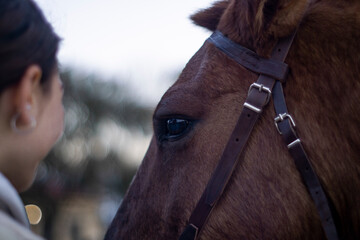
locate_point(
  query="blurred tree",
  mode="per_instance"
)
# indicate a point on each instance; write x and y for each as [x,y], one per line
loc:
[92,156]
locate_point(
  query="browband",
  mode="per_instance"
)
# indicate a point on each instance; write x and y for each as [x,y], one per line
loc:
[249,59]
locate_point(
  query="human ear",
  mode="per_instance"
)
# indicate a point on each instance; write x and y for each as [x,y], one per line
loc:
[25,98]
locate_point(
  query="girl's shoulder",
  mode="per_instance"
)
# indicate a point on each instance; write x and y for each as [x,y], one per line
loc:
[12,230]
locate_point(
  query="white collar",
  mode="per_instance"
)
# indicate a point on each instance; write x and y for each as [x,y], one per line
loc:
[10,200]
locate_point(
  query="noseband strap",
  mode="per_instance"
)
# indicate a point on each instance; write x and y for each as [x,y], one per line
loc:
[271,71]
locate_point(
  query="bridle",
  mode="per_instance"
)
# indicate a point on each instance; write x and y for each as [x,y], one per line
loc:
[273,73]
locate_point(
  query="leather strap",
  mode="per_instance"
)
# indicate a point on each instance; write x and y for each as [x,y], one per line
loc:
[285,125]
[257,99]
[271,67]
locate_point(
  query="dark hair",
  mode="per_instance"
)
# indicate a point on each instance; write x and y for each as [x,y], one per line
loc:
[26,38]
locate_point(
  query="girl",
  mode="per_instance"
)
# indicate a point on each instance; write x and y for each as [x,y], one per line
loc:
[31,111]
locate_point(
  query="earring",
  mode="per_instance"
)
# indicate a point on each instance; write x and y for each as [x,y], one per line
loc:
[14,119]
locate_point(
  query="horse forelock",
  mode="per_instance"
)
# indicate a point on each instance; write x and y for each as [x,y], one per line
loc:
[254,24]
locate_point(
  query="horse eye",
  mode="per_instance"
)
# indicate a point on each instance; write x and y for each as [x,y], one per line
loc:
[176,127]
[172,129]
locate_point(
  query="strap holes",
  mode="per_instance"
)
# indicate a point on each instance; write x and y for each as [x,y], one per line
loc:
[237,139]
[316,192]
[279,49]
[248,115]
[307,168]
[328,220]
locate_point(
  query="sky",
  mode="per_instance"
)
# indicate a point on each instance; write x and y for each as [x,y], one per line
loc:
[142,44]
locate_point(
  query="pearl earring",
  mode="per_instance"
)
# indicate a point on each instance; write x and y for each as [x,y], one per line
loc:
[14,119]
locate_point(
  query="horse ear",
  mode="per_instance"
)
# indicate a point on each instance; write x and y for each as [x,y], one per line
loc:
[210,17]
[279,17]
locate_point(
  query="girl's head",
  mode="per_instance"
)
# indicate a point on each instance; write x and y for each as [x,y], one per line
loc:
[31,112]
[25,38]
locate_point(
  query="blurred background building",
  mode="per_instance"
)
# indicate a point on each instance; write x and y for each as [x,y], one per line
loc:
[117,58]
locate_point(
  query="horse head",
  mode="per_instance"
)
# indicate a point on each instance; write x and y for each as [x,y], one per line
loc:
[265,197]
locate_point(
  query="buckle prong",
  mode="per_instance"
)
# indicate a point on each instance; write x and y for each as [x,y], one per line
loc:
[261,88]
[294,143]
[281,117]
[251,107]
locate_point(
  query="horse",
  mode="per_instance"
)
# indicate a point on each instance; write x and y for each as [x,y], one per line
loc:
[265,197]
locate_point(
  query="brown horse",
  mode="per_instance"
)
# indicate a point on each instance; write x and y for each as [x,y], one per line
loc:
[265,197]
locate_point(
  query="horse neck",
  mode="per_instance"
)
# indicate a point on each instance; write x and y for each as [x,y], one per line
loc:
[326,63]
[323,92]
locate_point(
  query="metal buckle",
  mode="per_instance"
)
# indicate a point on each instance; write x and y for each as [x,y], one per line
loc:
[282,117]
[261,88]
[191,231]
[293,143]
[251,107]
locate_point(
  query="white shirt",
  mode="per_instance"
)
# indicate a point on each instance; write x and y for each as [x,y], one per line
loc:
[14,224]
